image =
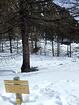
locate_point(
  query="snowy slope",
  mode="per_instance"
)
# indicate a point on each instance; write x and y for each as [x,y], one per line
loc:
[56,82]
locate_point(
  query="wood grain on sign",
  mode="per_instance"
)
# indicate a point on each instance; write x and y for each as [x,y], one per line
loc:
[16,86]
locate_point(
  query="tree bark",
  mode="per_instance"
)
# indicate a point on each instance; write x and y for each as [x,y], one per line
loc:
[58,47]
[2,47]
[45,46]
[70,49]
[52,48]
[10,40]
[25,43]
[26,57]
[17,46]
[32,45]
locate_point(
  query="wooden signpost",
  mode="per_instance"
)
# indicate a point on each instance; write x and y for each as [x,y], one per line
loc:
[17,86]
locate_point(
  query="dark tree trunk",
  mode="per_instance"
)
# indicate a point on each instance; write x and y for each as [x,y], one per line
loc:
[70,49]
[45,46]
[36,46]
[26,61]
[67,51]
[25,43]
[1,43]
[2,47]
[17,46]
[58,47]
[52,48]
[36,40]
[10,39]
[32,45]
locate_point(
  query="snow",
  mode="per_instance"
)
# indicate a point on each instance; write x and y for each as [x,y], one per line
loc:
[68,4]
[56,82]
[65,3]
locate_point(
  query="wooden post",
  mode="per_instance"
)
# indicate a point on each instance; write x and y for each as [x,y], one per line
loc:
[18,95]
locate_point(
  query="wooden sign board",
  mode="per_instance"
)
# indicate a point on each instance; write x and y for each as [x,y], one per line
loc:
[16,86]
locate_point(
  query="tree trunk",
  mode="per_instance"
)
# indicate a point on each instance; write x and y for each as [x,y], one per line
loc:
[17,46]
[58,47]
[67,51]
[45,46]
[52,48]
[1,44]
[36,40]
[32,45]
[70,49]
[2,47]
[10,39]
[25,43]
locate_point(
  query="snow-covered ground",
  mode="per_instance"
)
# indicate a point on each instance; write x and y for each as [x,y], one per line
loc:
[56,82]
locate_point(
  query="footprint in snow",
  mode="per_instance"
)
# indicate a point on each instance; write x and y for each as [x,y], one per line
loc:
[60,64]
[74,100]
[36,87]
[8,99]
[52,94]
[58,101]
